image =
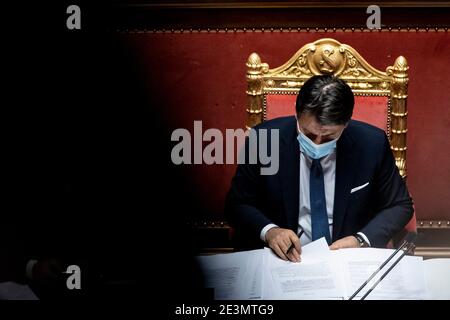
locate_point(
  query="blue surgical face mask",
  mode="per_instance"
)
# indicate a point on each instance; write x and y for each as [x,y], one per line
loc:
[315,151]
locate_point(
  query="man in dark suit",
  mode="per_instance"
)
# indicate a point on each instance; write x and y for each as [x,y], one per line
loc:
[337,179]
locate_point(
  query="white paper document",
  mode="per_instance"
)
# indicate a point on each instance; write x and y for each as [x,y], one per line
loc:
[235,275]
[324,274]
[312,278]
[437,278]
[405,281]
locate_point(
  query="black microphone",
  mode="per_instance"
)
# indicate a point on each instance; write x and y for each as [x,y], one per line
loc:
[411,237]
[407,246]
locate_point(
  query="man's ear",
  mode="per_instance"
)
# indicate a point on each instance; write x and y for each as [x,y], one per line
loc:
[298,125]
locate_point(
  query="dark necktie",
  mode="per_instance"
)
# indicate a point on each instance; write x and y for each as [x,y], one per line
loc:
[319,216]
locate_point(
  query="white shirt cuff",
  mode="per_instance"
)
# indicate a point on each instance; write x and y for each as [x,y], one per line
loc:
[29,269]
[365,238]
[265,229]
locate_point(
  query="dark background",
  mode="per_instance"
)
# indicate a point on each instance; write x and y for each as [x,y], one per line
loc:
[87,173]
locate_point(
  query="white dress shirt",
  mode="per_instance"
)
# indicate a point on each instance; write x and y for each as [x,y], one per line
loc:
[328,164]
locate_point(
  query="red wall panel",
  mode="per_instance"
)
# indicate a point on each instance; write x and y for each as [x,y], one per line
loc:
[201,76]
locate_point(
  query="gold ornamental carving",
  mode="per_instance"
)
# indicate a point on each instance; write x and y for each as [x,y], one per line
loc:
[328,56]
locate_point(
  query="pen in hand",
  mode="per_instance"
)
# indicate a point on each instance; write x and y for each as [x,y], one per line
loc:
[292,244]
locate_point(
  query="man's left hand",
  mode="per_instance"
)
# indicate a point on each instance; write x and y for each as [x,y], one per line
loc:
[347,242]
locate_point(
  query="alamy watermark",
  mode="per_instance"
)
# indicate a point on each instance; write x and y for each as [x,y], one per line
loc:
[189,149]
[73,21]
[374,20]
[74,280]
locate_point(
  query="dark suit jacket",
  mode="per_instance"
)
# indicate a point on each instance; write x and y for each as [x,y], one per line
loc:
[379,210]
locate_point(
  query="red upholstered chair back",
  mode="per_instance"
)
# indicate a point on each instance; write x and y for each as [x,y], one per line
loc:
[380,97]
[372,110]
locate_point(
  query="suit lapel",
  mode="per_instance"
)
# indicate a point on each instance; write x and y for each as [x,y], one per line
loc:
[290,176]
[346,166]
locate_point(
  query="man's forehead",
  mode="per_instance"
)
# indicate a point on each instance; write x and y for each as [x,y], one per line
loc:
[315,127]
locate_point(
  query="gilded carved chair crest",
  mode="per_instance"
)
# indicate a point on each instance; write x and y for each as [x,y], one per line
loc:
[328,56]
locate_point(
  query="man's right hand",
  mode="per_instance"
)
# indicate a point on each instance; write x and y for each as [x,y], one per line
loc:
[279,240]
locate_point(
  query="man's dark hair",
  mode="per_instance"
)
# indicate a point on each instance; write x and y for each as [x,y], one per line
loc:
[326,97]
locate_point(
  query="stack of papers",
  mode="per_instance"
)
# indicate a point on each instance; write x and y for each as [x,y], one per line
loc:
[324,274]
[235,275]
